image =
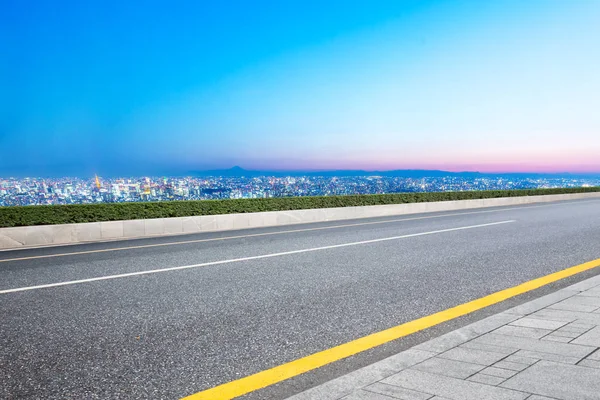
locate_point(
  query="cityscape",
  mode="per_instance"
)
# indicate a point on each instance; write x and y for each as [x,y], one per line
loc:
[47,191]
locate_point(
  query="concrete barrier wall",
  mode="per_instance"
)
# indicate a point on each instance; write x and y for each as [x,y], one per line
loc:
[31,236]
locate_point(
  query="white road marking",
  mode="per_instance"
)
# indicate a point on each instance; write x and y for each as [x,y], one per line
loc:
[144,246]
[233,260]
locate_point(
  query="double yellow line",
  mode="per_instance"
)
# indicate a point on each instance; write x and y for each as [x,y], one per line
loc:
[294,368]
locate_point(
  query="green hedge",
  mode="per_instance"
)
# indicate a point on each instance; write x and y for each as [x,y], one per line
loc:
[76,213]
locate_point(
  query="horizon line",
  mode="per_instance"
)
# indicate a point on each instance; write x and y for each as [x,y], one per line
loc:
[311,171]
[399,169]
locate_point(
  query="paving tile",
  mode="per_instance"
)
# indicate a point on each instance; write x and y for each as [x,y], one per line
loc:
[472,356]
[591,293]
[365,395]
[397,392]
[588,284]
[591,338]
[403,360]
[511,365]
[572,329]
[578,303]
[462,335]
[555,315]
[529,322]
[561,381]
[560,339]
[452,388]
[594,356]
[571,335]
[521,360]
[445,342]
[567,316]
[486,379]
[548,357]
[346,384]
[455,369]
[583,321]
[522,331]
[582,300]
[590,363]
[542,302]
[489,348]
[566,349]
[499,372]
[576,324]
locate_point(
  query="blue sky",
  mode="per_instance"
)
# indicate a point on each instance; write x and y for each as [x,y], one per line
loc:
[114,87]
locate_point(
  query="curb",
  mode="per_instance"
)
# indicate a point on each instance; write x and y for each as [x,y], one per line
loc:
[54,235]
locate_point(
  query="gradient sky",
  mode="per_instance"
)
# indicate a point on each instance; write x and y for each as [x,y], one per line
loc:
[149,87]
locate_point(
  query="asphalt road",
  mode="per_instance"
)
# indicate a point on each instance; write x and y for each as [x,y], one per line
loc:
[283,293]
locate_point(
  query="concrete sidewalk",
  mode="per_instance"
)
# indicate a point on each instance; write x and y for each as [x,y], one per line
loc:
[545,349]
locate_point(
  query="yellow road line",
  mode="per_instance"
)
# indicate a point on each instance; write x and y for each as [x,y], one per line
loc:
[145,246]
[294,368]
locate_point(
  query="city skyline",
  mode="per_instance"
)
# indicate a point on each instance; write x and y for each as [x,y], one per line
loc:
[40,191]
[118,89]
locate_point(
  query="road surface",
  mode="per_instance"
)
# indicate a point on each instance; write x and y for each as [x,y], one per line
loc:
[169,317]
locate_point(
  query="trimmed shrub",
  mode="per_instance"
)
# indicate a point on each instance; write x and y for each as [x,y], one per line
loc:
[77,213]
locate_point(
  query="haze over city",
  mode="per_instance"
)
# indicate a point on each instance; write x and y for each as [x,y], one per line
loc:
[116,89]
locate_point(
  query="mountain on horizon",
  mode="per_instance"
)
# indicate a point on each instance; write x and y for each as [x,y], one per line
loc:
[238,171]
